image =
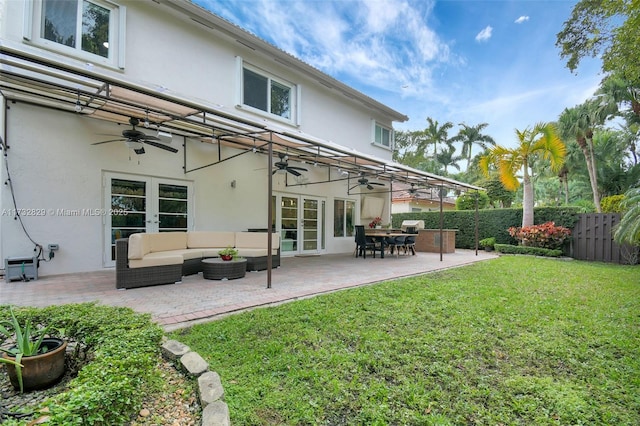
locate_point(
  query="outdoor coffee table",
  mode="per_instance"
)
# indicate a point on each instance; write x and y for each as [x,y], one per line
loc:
[218,269]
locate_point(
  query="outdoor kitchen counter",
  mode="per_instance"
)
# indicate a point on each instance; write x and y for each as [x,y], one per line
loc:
[428,240]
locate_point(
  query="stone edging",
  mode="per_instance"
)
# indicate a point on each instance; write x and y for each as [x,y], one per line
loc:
[215,411]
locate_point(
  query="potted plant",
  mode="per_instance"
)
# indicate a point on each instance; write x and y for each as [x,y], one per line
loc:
[488,243]
[376,223]
[35,360]
[228,253]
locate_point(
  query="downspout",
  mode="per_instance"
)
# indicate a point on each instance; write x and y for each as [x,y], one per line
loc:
[269,212]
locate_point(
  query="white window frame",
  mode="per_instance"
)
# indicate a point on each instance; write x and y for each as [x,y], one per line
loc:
[375,142]
[295,93]
[117,25]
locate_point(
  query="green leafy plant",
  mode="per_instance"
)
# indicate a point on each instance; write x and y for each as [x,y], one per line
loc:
[123,349]
[228,252]
[487,243]
[28,342]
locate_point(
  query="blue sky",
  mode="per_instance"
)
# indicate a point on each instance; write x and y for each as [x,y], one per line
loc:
[465,61]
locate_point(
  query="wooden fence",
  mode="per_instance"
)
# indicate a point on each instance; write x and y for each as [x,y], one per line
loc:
[593,240]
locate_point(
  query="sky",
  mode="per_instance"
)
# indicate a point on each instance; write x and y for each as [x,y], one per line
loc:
[462,61]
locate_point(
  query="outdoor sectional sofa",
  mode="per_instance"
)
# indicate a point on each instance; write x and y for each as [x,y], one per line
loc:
[165,257]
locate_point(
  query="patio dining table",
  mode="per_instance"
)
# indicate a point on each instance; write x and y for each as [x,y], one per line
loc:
[380,234]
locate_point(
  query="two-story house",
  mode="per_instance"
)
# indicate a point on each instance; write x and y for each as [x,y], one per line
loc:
[125,116]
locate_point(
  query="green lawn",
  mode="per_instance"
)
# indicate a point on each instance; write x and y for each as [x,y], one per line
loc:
[511,341]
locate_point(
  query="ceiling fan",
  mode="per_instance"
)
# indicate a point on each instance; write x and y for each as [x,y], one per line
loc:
[283,164]
[363,181]
[135,139]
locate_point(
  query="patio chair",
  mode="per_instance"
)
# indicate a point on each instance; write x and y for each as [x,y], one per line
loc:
[410,244]
[363,243]
[399,243]
[391,243]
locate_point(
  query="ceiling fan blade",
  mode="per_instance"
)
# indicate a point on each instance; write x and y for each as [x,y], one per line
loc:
[354,186]
[151,138]
[298,168]
[111,140]
[161,146]
[369,187]
[376,183]
[293,171]
[139,151]
[275,171]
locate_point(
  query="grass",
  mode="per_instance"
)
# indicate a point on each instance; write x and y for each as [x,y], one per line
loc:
[512,341]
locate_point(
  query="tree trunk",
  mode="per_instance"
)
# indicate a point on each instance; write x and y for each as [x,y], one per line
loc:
[527,198]
[594,176]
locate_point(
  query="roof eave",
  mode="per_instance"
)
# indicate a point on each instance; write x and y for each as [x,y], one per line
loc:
[215,22]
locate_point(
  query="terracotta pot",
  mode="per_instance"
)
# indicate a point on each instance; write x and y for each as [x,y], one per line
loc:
[226,257]
[40,371]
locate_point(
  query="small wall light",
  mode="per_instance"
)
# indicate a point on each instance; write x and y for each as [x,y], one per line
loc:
[233,183]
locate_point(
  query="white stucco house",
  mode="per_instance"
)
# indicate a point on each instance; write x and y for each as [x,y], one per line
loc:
[209,128]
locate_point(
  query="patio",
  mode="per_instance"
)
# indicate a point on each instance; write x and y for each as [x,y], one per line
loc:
[199,300]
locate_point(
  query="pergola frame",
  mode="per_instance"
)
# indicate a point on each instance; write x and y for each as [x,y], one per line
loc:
[29,78]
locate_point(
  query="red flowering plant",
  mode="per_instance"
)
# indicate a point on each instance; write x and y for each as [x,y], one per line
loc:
[547,235]
[375,222]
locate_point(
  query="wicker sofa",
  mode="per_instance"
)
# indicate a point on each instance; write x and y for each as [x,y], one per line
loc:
[165,257]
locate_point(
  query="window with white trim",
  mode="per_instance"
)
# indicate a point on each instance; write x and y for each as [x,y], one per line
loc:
[383,136]
[92,30]
[267,93]
[343,218]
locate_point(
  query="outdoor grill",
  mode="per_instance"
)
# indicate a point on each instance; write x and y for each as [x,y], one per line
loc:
[415,224]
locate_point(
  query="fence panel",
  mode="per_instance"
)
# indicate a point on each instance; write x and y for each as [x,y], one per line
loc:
[593,240]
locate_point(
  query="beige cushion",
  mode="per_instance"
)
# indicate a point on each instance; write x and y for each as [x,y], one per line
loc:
[164,241]
[211,252]
[156,261]
[185,253]
[256,240]
[138,246]
[249,252]
[210,239]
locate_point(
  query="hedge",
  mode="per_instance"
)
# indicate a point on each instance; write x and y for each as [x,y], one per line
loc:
[536,251]
[491,222]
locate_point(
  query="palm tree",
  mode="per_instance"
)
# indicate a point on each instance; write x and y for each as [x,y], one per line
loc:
[577,123]
[470,135]
[540,142]
[447,158]
[435,134]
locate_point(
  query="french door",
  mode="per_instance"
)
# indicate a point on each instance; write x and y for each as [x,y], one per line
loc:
[300,221]
[143,204]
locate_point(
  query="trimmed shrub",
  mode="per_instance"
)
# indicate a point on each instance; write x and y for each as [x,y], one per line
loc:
[547,235]
[536,251]
[125,347]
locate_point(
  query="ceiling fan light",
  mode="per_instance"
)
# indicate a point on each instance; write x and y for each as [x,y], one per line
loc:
[134,145]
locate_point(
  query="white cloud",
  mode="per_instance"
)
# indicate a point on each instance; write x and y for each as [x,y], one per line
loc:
[382,44]
[521,19]
[485,34]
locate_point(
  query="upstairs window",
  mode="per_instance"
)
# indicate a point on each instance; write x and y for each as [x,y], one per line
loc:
[267,93]
[90,29]
[383,136]
[78,24]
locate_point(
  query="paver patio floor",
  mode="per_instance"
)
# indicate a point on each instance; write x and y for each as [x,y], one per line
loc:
[197,300]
